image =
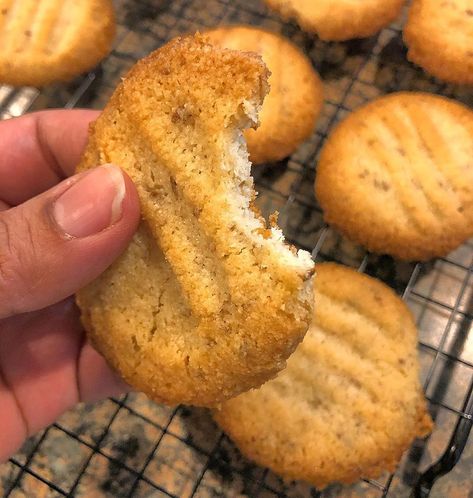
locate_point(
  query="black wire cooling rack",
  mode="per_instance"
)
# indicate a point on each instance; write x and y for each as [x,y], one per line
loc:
[131,447]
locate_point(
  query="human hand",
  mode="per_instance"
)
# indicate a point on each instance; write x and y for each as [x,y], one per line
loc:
[55,237]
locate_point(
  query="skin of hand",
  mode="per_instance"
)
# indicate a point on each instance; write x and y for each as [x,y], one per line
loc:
[57,233]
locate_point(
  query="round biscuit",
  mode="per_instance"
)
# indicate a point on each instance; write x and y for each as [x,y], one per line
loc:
[339,20]
[439,36]
[349,402]
[207,301]
[396,176]
[295,99]
[51,40]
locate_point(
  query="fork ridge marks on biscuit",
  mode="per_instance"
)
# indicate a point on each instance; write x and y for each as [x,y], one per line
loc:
[294,102]
[349,402]
[439,35]
[397,176]
[339,20]
[207,301]
[52,40]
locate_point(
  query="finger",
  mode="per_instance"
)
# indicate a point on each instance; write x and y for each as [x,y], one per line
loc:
[96,380]
[55,243]
[14,430]
[40,149]
[38,354]
[47,369]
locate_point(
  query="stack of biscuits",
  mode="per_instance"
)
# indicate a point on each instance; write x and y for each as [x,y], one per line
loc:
[316,377]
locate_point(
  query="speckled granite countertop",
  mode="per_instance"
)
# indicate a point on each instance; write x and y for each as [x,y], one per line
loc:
[133,447]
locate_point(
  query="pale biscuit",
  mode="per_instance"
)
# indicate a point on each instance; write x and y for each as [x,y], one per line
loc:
[295,99]
[53,40]
[397,176]
[349,402]
[439,35]
[339,20]
[206,302]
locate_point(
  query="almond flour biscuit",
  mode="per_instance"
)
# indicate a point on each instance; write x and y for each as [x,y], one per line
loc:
[53,40]
[397,176]
[207,301]
[295,99]
[339,20]
[349,402]
[439,36]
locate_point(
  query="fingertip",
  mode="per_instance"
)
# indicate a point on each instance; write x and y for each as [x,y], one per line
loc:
[75,232]
[97,199]
[131,202]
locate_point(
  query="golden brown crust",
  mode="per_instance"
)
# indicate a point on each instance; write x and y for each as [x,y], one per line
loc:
[396,176]
[200,307]
[341,20]
[439,36]
[295,99]
[349,402]
[52,40]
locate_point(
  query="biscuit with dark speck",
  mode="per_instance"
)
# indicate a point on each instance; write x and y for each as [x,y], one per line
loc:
[396,176]
[44,41]
[349,402]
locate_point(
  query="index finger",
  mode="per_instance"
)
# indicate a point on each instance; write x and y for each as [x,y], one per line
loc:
[40,149]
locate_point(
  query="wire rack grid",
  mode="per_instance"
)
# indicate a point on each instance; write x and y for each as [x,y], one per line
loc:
[131,447]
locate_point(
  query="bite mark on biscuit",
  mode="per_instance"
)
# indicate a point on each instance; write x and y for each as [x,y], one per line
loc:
[212,295]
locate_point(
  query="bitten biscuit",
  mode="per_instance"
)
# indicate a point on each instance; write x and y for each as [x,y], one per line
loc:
[439,36]
[207,301]
[295,98]
[339,20]
[51,40]
[397,176]
[349,402]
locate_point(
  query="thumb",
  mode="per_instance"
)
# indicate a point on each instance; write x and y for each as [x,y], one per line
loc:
[57,242]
